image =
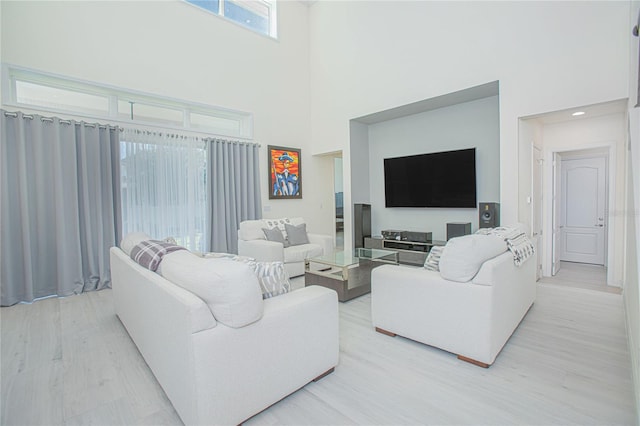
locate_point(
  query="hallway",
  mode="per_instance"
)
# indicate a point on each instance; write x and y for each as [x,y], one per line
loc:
[582,275]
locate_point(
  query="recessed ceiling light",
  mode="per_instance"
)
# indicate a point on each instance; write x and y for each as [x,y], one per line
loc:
[577,113]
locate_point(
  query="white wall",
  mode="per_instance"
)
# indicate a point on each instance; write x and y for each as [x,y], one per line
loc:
[631,292]
[468,125]
[173,49]
[369,56]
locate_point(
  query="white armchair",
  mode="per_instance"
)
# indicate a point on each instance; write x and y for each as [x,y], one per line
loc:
[252,242]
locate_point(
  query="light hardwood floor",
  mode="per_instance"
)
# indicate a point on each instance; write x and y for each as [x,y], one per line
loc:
[582,275]
[70,361]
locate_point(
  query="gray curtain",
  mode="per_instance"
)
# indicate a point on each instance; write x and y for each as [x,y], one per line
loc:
[60,206]
[233,188]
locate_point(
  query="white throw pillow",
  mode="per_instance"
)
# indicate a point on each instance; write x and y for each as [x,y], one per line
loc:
[463,256]
[131,240]
[229,288]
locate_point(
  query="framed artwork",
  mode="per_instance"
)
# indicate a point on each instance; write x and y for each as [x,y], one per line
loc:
[285,172]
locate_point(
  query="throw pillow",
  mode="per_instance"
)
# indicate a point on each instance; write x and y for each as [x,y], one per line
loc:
[229,288]
[272,278]
[463,257]
[131,240]
[274,234]
[278,223]
[150,253]
[432,263]
[297,235]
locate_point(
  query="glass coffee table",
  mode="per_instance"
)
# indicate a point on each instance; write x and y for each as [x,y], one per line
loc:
[347,272]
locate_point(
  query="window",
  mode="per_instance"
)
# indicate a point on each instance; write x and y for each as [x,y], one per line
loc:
[59,98]
[36,90]
[163,186]
[257,15]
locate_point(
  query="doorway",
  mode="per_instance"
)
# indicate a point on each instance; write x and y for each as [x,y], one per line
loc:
[594,131]
[338,189]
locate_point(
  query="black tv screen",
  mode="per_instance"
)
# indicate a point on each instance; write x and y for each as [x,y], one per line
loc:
[439,179]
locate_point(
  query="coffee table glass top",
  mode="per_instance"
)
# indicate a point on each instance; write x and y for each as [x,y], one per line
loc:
[350,258]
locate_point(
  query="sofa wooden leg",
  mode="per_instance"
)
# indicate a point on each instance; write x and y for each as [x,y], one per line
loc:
[383,331]
[473,361]
[326,373]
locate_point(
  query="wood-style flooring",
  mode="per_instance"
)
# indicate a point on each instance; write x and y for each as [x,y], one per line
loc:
[582,275]
[70,361]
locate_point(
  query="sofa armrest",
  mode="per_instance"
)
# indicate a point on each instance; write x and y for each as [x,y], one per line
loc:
[324,241]
[296,340]
[261,250]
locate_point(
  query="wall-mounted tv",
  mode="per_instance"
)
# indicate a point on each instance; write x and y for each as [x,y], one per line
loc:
[439,179]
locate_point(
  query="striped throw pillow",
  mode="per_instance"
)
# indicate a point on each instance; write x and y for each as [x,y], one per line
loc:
[433,259]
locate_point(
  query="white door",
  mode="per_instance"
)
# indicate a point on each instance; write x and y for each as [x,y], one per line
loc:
[557,225]
[536,204]
[583,210]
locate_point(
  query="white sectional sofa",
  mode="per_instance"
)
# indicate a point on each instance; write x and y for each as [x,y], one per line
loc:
[253,243]
[215,373]
[472,319]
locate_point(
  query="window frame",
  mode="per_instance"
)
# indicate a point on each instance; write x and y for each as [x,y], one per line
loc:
[12,74]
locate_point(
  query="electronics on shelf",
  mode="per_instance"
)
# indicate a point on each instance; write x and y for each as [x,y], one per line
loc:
[410,236]
[392,234]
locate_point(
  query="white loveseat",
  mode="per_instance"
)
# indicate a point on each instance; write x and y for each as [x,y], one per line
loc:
[472,319]
[252,242]
[219,374]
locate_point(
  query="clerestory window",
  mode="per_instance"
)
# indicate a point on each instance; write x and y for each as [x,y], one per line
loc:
[23,88]
[257,15]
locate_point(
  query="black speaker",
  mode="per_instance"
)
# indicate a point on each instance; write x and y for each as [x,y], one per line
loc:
[458,229]
[489,215]
[361,224]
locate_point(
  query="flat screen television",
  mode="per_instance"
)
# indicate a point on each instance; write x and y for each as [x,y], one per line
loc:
[439,179]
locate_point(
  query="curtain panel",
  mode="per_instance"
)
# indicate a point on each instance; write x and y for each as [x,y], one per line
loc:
[233,188]
[59,206]
[164,186]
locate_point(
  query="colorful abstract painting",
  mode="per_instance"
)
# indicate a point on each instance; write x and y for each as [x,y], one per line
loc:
[285,173]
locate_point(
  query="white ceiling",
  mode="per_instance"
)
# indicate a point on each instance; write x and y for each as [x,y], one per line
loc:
[590,111]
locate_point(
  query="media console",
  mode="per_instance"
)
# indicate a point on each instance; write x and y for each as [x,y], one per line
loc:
[409,252]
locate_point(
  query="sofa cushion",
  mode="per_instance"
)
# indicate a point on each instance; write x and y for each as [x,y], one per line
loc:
[131,240]
[252,229]
[463,256]
[229,288]
[301,252]
[230,256]
[297,234]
